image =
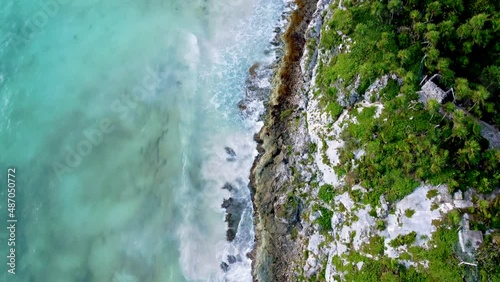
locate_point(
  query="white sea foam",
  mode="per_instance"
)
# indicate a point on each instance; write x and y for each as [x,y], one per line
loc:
[228,56]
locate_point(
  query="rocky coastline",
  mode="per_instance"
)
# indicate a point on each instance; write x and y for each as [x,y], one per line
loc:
[275,247]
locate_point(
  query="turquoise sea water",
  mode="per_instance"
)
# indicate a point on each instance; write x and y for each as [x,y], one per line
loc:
[116,115]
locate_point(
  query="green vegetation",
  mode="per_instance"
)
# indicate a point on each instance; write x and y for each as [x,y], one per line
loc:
[458,39]
[325,219]
[434,206]
[311,47]
[410,142]
[432,193]
[401,240]
[313,148]
[326,193]
[335,110]
[488,257]
[486,214]
[442,262]
[381,225]
[286,113]
[289,208]
[375,247]
[324,155]
[442,259]
[390,91]
[409,213]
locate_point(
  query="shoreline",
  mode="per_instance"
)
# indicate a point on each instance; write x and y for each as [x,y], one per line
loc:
[274,249]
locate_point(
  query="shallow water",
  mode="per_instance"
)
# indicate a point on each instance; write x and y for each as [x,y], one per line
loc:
[116,115]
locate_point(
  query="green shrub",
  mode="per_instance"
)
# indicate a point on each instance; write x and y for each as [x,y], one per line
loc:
[313,148]
[325,220]
[375,246]
[409,213]
[326,193]
[381,225]
[390,91]
[432,193]
[401,240]
[334,109]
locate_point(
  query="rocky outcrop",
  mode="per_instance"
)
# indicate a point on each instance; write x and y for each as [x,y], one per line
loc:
[430,90]
[276,214]
[234,209]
